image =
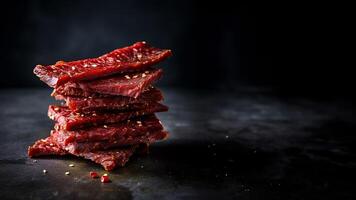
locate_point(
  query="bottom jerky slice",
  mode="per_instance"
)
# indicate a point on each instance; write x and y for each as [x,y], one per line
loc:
[68,120]
[108,159]
[44,147]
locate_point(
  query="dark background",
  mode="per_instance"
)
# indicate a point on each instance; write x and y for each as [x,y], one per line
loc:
[296,49]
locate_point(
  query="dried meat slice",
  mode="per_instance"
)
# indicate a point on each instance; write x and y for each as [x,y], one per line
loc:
[136,57]
[77,147]
[78,104]
[131,128]
[68,120]
[45,147]
[109,159]
[131,85]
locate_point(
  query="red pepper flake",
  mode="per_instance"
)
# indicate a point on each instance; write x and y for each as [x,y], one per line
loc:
[94,175]
[105,178]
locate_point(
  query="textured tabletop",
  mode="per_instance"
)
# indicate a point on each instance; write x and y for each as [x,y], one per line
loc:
[246,145]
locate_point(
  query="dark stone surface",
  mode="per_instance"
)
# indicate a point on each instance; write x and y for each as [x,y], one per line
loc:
[247,145]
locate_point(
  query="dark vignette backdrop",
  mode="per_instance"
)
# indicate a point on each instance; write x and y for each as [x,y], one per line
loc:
[294,48]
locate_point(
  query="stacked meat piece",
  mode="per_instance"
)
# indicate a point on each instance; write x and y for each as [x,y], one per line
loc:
[110,105]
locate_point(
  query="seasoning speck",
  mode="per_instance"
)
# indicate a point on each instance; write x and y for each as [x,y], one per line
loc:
[105,126]
[45,171]
[71,165]
[94,174]
[67,173]
[105,178]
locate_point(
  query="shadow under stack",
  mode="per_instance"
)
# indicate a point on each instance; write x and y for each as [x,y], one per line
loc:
[110,105]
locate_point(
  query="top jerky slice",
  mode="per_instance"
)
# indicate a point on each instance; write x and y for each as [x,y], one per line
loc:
[136,57]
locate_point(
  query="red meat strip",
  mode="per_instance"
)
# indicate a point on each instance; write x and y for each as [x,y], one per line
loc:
[108,159]
[131,85]
[44,147]
[76,147]
[132,128]
[78,104]
[68,120]
[139,56]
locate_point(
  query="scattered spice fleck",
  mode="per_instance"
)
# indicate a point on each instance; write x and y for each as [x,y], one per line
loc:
[94,174]
[105,126]
[105,178]
[67,173]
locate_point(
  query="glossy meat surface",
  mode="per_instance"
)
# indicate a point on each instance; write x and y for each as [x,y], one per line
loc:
[109,159]
[83,147]
[136,57]
[131,128]
[68,120]
[87,104]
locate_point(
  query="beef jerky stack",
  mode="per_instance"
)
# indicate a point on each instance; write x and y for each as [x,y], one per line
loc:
[109,105]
